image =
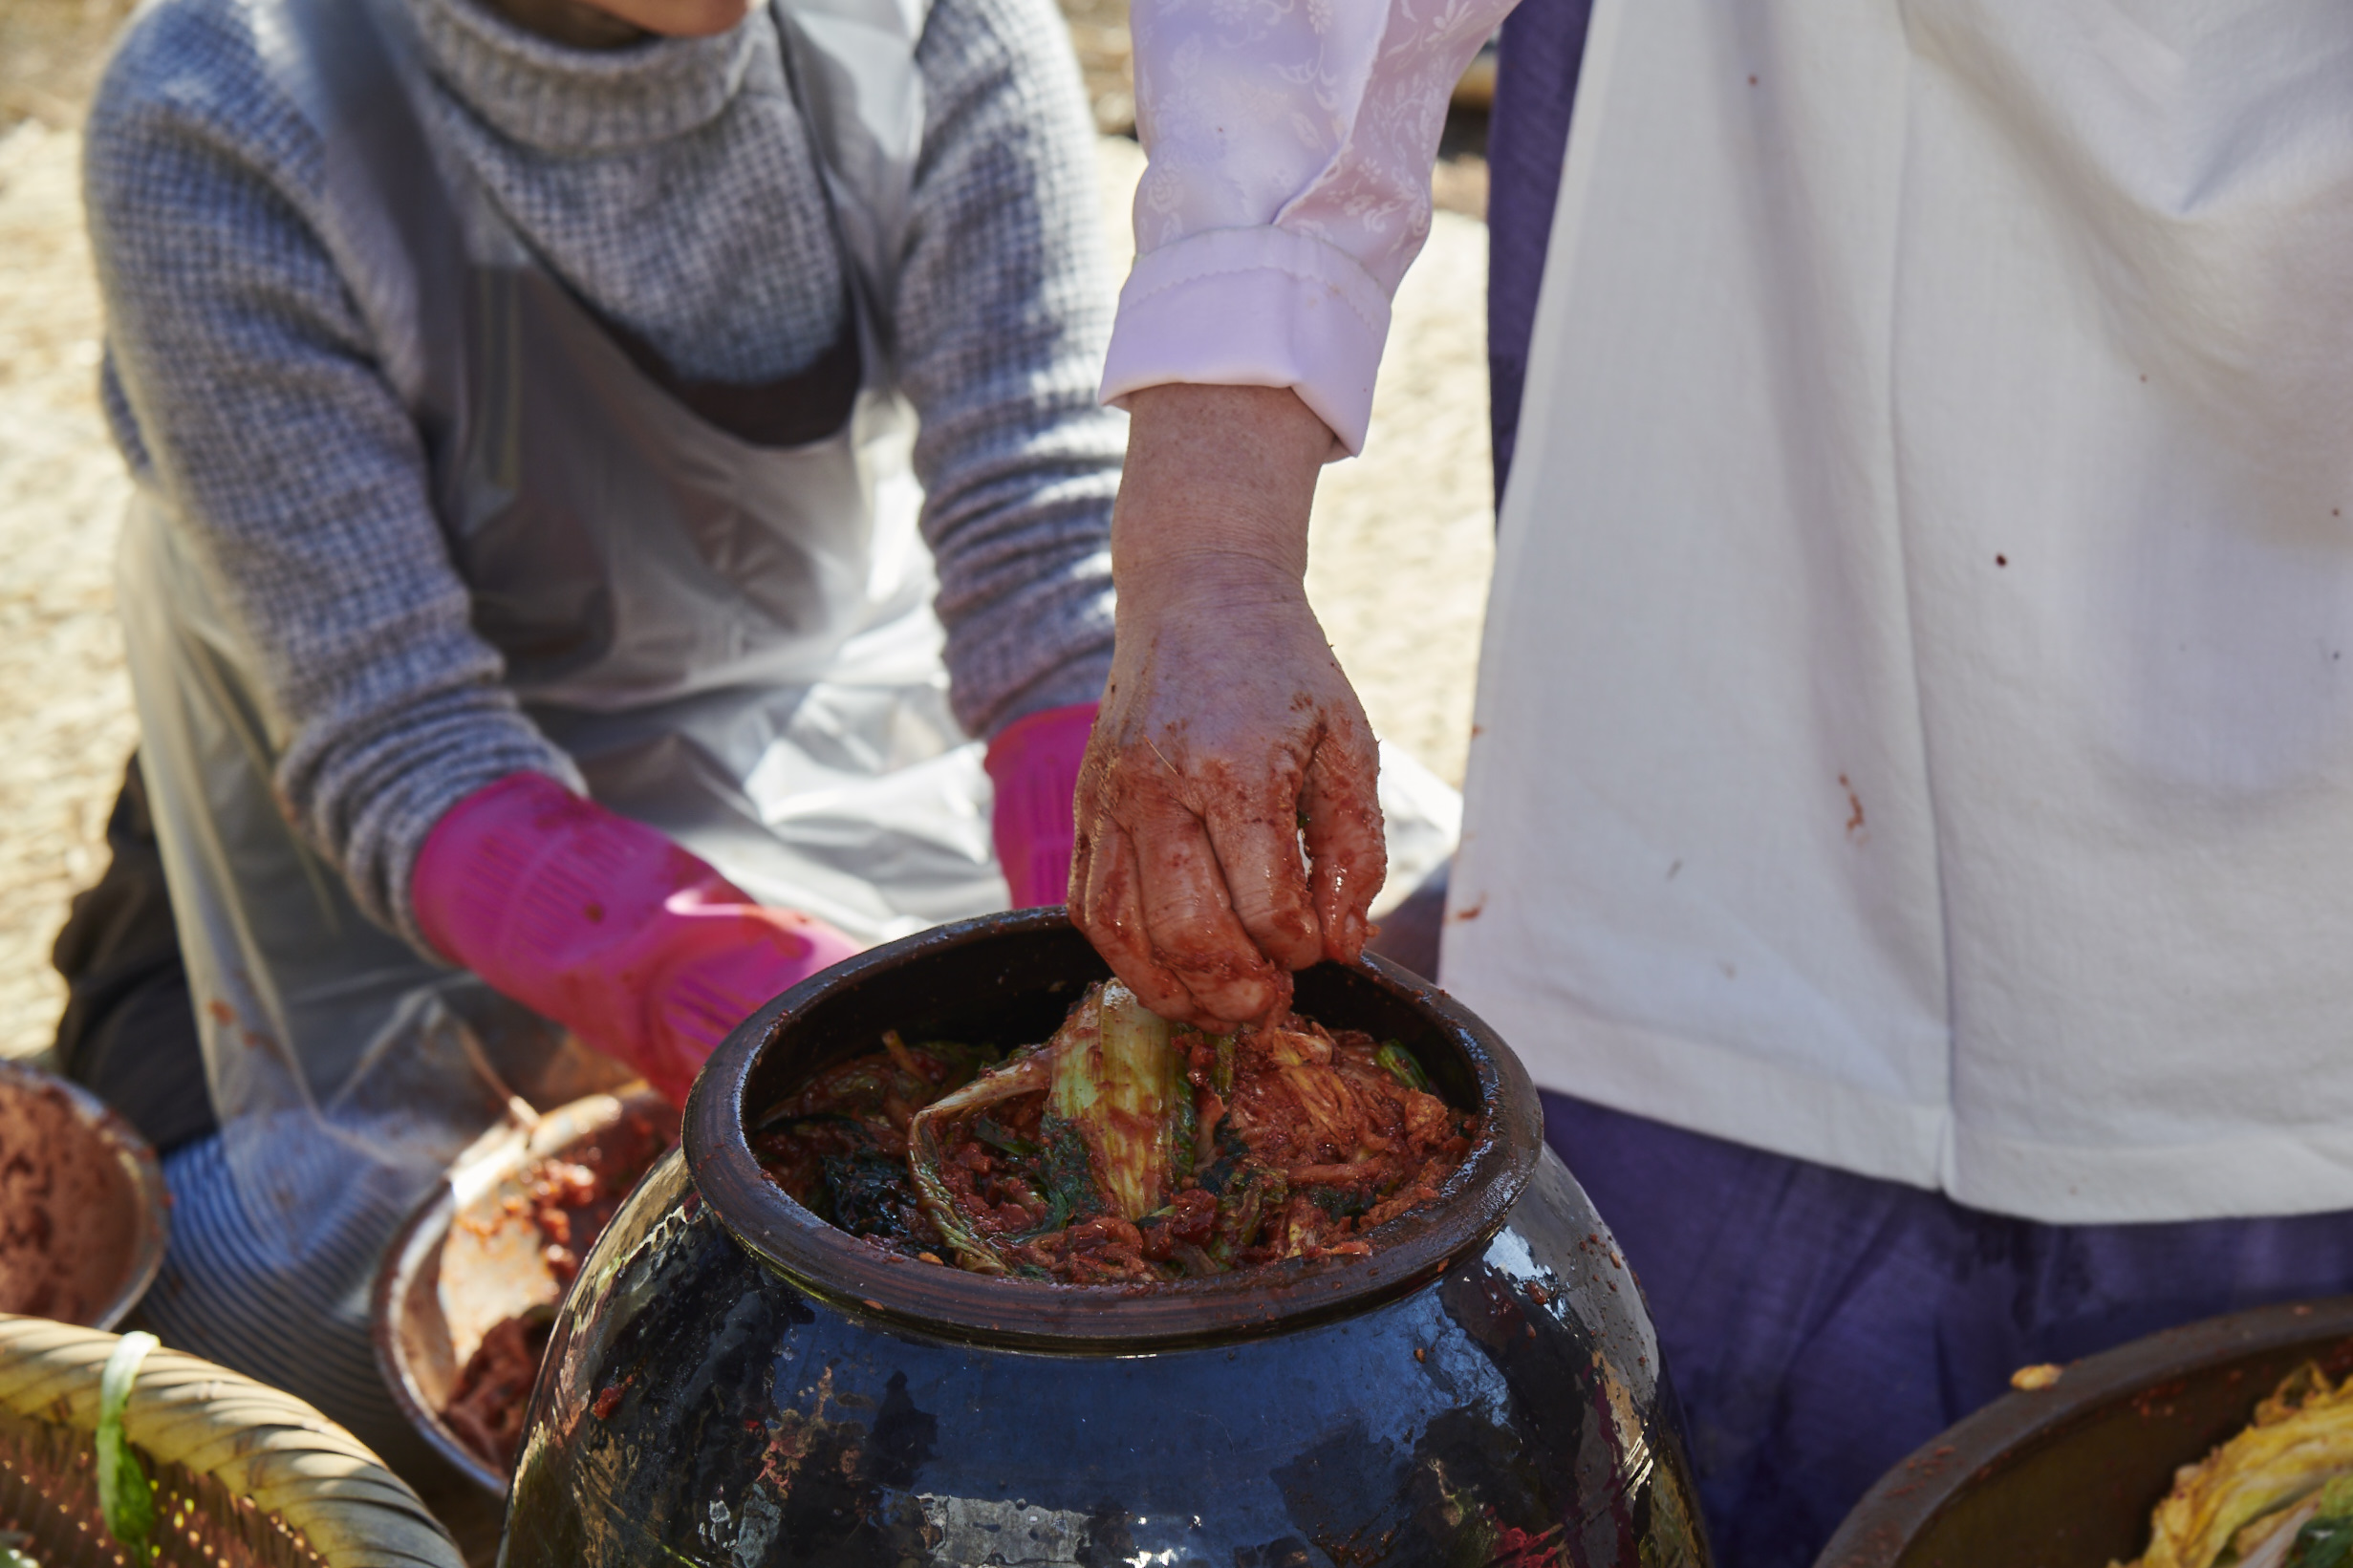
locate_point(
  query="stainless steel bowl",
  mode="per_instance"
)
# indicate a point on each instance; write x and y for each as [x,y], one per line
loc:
[84,1213]
[470,1258]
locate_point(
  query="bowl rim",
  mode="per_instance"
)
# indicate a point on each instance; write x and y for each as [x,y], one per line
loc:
[137,1158]
[420,1235]
[504,1151]
[1907,1500]
[861,1279]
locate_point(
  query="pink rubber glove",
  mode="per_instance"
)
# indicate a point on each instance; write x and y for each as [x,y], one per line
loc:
[1034,763]
[605,926]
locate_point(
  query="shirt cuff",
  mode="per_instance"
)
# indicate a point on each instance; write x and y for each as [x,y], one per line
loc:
[1254,308]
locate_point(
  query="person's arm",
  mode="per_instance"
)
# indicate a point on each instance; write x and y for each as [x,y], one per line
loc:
[1229,825]
[247,386]
[1229,739]
[999,324]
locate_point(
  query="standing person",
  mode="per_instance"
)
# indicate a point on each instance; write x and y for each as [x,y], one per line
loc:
[596,463]
[1912,803]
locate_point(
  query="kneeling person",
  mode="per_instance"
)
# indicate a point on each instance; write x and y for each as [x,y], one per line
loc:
[598,462]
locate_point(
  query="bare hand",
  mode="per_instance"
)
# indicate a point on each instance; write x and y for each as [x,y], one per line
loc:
[1229,829]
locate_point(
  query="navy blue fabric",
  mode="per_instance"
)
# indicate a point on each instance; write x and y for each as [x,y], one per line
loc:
[1821,1326]
[303,1327]
[1537,60]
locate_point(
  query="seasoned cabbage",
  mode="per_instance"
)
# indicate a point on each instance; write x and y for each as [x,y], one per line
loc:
[1123,1150]
[2280,1494]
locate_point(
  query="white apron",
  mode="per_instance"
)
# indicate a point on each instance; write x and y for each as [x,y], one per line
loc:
[1916,713]
[733,644]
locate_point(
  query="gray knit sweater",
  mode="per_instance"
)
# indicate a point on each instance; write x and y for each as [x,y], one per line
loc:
[671,184]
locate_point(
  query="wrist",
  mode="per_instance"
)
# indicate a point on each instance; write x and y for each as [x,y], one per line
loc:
[1214,501]
[1222,584]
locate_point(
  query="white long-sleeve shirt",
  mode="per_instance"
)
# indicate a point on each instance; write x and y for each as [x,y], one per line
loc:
[1288,189]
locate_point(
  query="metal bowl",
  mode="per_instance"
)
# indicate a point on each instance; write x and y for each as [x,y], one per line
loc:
[84,1213]
[2065,1476]
[467,1260]
[734,1381]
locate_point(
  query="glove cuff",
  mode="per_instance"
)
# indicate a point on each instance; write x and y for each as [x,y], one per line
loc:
[1034,763]
[533,889]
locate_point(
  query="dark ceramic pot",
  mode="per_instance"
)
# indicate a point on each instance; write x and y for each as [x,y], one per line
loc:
[2066,1476]
[733,1381]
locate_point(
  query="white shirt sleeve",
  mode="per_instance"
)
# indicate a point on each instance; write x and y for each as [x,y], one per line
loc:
[1289,188]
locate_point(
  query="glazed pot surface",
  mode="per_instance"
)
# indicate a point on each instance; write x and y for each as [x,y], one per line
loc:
[2066,1476]
[734,1381]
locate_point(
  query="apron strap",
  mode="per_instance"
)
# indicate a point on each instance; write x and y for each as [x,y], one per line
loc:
[853,70]
[394,229]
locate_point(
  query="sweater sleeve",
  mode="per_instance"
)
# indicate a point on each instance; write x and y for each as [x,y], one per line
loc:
[246,390]
[1003,307]
[1288,189]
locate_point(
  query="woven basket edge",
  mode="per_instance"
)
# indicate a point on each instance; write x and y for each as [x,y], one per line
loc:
[60,1361]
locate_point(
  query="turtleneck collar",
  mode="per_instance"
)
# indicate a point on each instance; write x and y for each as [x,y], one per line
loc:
[558,99]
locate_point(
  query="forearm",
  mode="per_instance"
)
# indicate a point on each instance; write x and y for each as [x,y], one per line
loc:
[1213,512]
[368,791]
[1025,597]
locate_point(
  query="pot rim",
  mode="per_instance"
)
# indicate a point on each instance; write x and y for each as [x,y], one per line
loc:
[857,1277]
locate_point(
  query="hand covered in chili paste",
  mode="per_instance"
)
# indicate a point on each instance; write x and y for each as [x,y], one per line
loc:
[1228,826]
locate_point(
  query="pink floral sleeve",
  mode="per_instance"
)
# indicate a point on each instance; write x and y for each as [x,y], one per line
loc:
[1290,144]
